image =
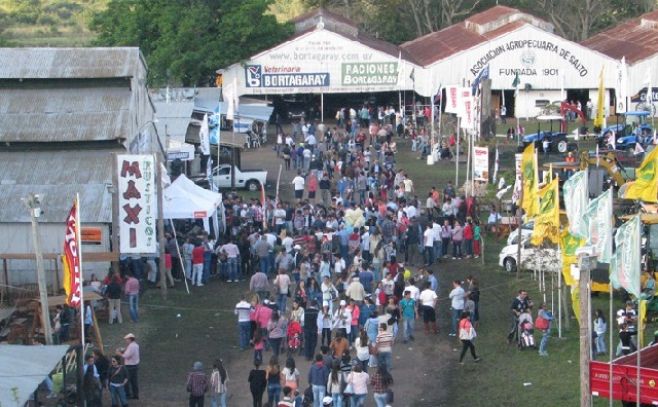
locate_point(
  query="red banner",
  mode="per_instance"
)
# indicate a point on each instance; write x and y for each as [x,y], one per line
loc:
[72,277]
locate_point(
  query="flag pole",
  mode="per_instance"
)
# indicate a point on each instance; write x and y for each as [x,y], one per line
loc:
[610,337]
[79,246]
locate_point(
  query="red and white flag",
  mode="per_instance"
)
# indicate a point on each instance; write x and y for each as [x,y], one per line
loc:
[72,271]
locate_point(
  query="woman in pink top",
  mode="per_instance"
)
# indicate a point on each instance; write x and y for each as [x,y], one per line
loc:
[359,381]
[312,183]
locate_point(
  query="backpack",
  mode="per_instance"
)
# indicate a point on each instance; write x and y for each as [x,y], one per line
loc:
[541,323]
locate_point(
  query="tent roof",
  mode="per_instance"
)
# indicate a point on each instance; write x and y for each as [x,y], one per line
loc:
[23,368]
[183,199]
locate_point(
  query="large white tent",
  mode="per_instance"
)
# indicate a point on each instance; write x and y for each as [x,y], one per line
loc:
[183,199]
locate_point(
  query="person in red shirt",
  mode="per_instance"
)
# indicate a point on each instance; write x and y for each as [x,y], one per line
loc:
[197,264]
[468,238]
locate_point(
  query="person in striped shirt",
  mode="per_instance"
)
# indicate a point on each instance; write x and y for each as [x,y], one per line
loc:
[384,345]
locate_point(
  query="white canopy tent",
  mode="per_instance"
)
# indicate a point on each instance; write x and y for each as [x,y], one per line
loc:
[183,199]
[23,368]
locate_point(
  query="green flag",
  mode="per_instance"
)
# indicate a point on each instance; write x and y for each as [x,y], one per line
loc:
[516,83]
[575,201]
[598,220]
[625,265]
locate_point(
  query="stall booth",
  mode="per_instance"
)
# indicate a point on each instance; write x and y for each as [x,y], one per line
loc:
[183,199]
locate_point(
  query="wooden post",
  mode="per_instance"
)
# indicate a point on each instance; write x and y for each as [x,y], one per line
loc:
[97,332]
[115,212]
[5,287]
[585,335]
[519,221]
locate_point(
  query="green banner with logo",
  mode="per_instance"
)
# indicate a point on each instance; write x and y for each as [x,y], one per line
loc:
[369,73]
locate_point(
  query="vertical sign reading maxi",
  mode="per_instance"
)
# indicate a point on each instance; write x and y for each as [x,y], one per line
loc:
[137,203]
[258,76]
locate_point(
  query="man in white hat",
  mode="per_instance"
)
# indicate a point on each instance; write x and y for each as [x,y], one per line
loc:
[131,360]
[355,290]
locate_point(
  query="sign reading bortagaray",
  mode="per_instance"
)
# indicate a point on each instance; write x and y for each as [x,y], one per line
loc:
[137,203]
[369,73]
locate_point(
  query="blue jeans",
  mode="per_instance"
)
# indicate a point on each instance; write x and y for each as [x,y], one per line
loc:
[454,319]
[245,330]
[381,399]
[456,248]
[408,327]
[273,394]
[437,249]
[385,358]
[429,254]
[543,344]
[468,246]
[118,395]
[600,343]
[207,264]
[264,264]
[233,268]
[318,394]
[218,399]
[358,400]
[281,301]
[275,343]
[337,399]
[133,301]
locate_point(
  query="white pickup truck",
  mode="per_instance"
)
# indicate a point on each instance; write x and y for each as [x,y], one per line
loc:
[250,179]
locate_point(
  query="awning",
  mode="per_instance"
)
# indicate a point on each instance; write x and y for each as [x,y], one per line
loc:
[180,151]
[183,199]
[23,368]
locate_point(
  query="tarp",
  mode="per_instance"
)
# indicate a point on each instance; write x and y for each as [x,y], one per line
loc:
[23,368]
[183,199]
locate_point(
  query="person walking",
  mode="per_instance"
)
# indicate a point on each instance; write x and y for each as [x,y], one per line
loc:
[456,305]
[113,292]
[336,384]
[381,382]
[543,323]
[282,283]
[600,328]
[428,300]
[117,380]
[359,381]
[197,385]
[276,331]
[409,314]
[131,289]
[197,265]
[310,325]
[273,378]
[317,378]
[131,361]
[218,380]
[243,310]
[384,346]
[257,384]
[466,336]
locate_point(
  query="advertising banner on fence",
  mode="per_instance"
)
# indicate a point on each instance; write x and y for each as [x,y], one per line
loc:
[137,203]
[481,164]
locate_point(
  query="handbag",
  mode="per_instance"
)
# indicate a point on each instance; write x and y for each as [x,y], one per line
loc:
[390,396]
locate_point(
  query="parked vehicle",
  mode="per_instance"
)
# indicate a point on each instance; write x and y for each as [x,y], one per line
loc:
[632,128]
[249,179]
[526,232]
[532,258]
[557,139]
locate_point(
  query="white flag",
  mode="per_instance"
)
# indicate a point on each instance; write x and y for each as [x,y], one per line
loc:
[576,201]
[496,162]
[598,218]
[638,149]
[625,268]
[204,138]
[622,86]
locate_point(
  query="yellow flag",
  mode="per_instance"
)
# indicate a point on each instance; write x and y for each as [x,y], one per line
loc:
[575,302]
[530,203]
[645,186]
[600,107]
[547,221]
[568,246]
[641,321]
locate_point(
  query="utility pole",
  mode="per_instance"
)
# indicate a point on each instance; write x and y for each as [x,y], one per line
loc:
[519,227]
[586,263]
[33,204]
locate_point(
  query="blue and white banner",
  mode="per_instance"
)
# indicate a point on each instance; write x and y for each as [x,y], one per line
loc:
[257,78]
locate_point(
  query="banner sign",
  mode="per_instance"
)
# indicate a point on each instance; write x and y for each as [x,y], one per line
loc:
[481,164]
[452,101]
[291,78]
[137,203]
[516,193]
[72,274]
[466,108]
[369,73]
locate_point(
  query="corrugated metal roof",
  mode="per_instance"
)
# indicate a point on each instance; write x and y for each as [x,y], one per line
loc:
[57,176]
[636,39]
[175,116]
[36,63]
[475,30]
[64,114]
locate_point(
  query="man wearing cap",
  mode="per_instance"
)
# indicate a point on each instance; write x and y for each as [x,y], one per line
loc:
[131,360]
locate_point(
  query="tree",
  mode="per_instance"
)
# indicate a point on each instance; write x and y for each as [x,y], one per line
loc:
[184,42]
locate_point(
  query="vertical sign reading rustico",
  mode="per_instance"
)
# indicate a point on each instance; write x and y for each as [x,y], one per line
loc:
[136,191]
[369,73]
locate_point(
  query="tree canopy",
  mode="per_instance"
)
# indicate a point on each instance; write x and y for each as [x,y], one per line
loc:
[184,42]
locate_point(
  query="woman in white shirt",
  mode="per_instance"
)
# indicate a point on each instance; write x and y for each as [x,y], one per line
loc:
[290,375]
[362,348]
